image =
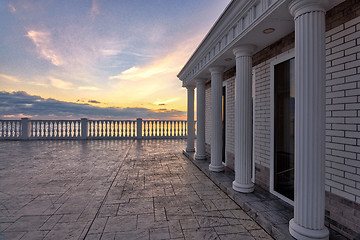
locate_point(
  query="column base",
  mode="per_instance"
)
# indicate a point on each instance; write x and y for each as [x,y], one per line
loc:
[216,168]
[200,157]
[243,188]
[190,149]
[300,232]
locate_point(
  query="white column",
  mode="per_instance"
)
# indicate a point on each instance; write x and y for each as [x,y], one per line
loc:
[200,119]
[309,202]
[216,119]
[190,119]
[243,119]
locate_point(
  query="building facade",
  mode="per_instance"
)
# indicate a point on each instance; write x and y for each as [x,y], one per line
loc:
[278,101]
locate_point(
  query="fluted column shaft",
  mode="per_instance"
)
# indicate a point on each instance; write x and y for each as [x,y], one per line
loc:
[200,119]
[243,119]
[309,202]
[190,119]
[216,119]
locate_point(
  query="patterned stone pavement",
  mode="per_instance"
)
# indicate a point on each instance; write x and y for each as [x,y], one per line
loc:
[112,190]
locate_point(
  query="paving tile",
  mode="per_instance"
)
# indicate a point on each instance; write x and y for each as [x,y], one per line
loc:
[210,206]
[121,223]
[108,210]
[152,193]
[28,223]
[135,208]
[69,217]
[93,236]
[35,235]
[98,225]
[12,235]
[211,221]
[230,229]
[173,213]
[5,225]
[201,233]
[133,235]
[63,234]
[225,204]
[160,214]
[189,223]
[175,229]
[108,236]
[50,222]
[159,233]
[260,234]
[250,225]
[236,236]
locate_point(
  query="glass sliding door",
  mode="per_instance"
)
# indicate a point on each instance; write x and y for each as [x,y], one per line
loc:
[284,119]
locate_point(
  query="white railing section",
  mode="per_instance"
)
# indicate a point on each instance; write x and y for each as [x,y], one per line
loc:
[164,129]
[105,129]
[27,129]
[10,129]
[55,129]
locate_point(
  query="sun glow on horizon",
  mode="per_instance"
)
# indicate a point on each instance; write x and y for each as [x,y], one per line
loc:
[71,55]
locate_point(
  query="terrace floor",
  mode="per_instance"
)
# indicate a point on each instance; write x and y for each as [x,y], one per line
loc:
[113,190]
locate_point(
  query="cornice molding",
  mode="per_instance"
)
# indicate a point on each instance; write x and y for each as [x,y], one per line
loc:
[236,20]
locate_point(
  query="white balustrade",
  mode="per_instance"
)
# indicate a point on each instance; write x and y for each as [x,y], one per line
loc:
[54,129]
[164,129]
[26,129]
[10,129]
[109,129]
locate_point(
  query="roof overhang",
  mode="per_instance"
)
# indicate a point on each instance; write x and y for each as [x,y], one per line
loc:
[242,22]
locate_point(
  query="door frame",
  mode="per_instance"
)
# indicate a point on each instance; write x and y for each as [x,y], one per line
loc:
[282,58]
[224,125]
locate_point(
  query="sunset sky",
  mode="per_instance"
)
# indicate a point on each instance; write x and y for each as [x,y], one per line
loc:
[98,59]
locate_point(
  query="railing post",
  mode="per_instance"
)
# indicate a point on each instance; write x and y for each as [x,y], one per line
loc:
[139,128]
[84,128]
[25,129]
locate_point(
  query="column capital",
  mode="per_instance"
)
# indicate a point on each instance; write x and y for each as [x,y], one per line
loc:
[190,87]
[200,81]
[244,50]
[299,7]
[217,69]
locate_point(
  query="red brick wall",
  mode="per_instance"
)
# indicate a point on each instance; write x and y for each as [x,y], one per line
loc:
[342,13]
